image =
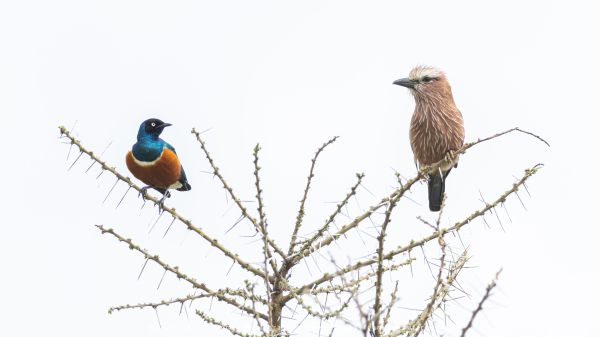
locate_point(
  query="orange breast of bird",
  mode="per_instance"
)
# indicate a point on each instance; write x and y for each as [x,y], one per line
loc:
[163,172]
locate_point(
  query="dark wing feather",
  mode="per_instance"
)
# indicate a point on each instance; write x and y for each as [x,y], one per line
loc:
[185,186]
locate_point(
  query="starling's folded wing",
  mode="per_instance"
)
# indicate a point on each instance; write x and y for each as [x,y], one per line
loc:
[185,186]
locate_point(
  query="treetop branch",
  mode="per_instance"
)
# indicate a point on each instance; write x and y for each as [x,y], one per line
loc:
[235,257]
[300,216]
[488,291]
[175,270]
[277,291]
[321,231]
[400,191]
[233,196]
[418,243]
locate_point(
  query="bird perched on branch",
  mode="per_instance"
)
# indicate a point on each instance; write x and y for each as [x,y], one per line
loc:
[155,162]
[436,127]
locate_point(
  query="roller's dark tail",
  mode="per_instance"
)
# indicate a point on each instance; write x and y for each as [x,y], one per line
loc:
[437,185]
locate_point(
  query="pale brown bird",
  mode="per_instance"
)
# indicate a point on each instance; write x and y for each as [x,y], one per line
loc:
[436,127]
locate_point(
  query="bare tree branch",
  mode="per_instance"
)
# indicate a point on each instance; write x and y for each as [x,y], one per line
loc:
[488,291]
[300,216]
[441,291]
[226,186]
[262,226]
[390,305]
[418,243]
[402,190]
[154,305]
[311,297]
[338,210]
[188,223]
[175,270]
[213,321]
[380,268]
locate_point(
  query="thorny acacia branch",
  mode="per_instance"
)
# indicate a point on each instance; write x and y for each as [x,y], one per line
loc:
[262,227]
[279,288]
[488,291]
[441,291]
[418,243]
[235,257]
[399,192]
[421,321]
[155,305]
[180,275]
[346,285]
[390,305]
[327,314]
[338,210]
[213,321]
[228,188]
[225,291]
[380,268]
[311,174]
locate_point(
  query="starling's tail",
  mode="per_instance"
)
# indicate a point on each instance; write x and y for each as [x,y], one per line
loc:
[185,186]
[437,184]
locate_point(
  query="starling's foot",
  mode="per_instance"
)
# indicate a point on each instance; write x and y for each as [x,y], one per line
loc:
[144,192]
[161,202]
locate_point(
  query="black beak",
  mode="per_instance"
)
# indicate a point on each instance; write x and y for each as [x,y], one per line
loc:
[406,82]
[164,125]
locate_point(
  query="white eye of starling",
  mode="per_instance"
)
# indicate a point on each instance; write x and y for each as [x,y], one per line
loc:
[153,124]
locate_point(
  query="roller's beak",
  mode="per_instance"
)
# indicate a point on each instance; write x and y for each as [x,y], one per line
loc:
[405,82]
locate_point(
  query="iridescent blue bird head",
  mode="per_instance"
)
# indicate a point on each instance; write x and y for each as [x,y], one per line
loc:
[151,129]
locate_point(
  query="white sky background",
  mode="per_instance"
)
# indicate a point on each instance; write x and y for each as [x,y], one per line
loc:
[290,76]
